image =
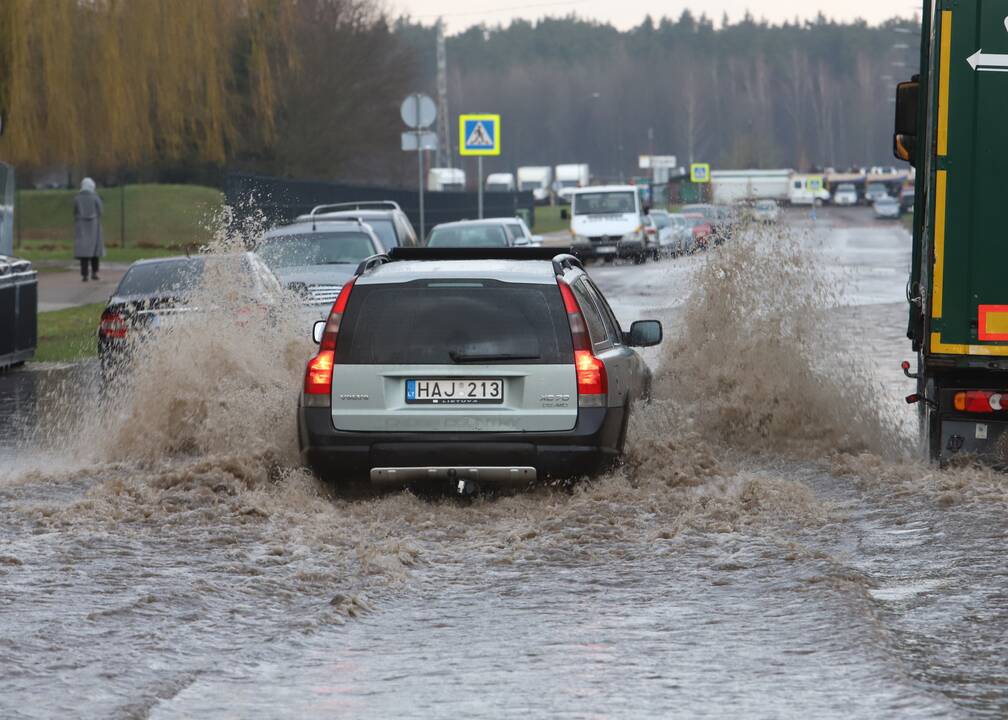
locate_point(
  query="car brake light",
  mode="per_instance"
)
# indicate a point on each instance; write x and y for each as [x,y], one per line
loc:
[978,401]
[592,380]
[319,373]
[112,325]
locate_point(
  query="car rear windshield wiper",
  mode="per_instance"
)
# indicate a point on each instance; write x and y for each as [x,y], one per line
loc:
[459,357]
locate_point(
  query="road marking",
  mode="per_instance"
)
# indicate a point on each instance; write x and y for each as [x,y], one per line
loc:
[988,62]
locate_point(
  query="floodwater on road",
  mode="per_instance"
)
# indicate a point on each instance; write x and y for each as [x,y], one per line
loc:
[769,549]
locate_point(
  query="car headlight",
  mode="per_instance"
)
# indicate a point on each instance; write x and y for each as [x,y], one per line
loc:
[580,239]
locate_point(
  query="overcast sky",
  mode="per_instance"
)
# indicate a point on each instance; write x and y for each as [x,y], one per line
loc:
[459,14]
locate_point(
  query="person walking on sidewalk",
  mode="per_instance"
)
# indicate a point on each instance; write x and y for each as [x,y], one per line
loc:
[88,243]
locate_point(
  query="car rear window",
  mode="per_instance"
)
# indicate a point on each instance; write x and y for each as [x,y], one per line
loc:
[461,322]
[315,248]
[166,277]
[468,236]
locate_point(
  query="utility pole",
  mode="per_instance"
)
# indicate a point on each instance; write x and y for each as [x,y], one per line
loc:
[443,156]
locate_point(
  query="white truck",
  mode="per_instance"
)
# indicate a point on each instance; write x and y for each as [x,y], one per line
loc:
[500,182]
[609,222]
[446,180]
[732,186]
[569,177]
[538,180]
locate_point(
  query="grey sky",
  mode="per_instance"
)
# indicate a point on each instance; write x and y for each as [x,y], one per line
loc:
[460,14]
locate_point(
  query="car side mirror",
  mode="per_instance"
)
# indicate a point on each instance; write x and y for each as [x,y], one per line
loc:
[317,329]
[644,333]
[564,215]
[905,125]
[537,239]
[521,242]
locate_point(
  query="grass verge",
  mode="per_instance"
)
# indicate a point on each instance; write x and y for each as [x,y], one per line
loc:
[547,219]
[66,335]
[159,220]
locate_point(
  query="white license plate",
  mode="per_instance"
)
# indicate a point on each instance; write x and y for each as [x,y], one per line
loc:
[605,249]
[449,391]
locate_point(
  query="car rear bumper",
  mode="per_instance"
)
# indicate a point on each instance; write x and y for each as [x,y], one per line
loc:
[337,456]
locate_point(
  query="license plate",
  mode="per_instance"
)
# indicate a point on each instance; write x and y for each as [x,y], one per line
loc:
[605,249]
[448,391]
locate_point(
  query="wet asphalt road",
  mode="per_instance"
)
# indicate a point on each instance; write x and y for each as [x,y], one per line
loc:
[791,573]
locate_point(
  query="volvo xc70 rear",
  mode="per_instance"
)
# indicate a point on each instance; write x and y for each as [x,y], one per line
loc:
[470,368]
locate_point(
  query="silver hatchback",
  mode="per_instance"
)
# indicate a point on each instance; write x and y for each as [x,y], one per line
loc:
[462,368]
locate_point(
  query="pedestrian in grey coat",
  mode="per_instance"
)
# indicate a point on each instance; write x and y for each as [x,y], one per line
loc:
[88,243]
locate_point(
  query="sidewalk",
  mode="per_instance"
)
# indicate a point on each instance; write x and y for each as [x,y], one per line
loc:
[64,289]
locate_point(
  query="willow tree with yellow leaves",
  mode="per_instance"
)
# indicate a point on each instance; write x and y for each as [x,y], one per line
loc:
[108,83]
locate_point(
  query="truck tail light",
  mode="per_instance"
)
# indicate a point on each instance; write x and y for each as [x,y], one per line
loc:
[592,379]
[112,325]
[319,373]
[978,401]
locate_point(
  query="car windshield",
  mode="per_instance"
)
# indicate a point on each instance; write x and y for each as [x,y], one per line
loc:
[529,185]
[468,236]
[604,203]
[766,205]
[498,187]
[695,220]
[316,248]
[846,187]
[660,219]
[453,322]
[886,200]
[167,277]
[877,187]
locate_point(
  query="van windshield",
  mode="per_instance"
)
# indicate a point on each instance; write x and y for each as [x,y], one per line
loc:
[604,203]
[451,322]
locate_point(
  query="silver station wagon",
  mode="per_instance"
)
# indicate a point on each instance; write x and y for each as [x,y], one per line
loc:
[470,368]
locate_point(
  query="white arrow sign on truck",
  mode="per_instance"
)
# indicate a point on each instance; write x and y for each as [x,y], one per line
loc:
[988,62]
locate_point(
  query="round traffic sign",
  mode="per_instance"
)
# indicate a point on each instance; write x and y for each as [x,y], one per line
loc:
[418,111]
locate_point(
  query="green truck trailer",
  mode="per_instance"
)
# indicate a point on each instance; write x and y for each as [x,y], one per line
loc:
[952,125]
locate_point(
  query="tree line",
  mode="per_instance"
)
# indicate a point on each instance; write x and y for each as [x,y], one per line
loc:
[311,88]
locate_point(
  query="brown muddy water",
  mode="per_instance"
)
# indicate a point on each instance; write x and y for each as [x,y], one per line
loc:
[771,548]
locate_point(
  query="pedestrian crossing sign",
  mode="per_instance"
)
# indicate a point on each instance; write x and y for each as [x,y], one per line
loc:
[479,134]
[699,172]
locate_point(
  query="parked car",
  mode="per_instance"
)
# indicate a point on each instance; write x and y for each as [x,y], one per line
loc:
[435,372]
[314,258]
[906,198]
[385,217]
[887,208]
[157,293]
[487,233]
[652,241]
[845,194]
[875,191]
[767,211]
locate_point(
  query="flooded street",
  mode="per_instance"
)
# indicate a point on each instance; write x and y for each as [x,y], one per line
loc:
[769,548]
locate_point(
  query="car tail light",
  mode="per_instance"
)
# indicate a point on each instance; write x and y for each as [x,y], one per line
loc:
[319,373]
[112,325]
[978,401]
[592,380]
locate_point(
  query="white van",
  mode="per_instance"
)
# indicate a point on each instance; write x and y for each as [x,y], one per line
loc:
[446,180]
[807,189]
[607,221]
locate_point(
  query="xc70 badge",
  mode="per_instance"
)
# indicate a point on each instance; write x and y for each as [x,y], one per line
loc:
[553,400]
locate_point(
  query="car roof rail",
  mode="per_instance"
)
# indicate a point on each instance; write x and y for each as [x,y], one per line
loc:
[359,205]
[476,253]
[372,262]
